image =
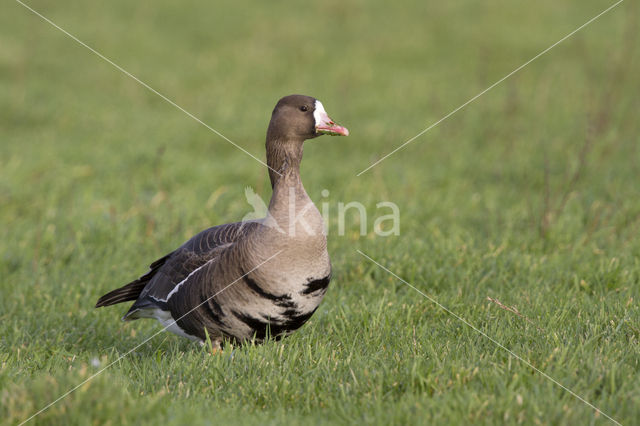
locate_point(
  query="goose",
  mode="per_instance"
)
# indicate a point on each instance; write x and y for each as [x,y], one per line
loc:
[248,280]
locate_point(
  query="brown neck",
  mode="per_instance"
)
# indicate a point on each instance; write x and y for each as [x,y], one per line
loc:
[283,158]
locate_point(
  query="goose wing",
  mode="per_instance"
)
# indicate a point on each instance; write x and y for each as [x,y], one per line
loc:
[155,287]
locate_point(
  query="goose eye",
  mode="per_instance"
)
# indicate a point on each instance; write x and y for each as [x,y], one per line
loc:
[304,108]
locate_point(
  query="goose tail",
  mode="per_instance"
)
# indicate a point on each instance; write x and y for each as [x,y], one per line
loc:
[132,290]
[128,292]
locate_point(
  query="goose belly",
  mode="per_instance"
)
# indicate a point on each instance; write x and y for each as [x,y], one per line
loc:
[167,321]
[278,304]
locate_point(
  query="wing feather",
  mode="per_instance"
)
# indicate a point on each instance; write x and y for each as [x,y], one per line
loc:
[179,265]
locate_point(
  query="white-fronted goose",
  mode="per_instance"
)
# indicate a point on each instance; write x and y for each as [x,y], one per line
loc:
[248,280]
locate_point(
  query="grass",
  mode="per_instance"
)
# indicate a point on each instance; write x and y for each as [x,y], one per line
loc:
[528,196]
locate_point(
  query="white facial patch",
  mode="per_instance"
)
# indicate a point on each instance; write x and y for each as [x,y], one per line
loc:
[320,115]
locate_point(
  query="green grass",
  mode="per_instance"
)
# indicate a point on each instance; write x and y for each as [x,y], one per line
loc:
[530,195]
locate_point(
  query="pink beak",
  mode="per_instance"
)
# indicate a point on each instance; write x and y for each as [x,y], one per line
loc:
[326,126]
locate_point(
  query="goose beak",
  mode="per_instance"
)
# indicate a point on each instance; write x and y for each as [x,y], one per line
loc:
[325,125]
[328,127]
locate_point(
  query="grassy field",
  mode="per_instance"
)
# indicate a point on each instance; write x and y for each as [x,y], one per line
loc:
[529,196]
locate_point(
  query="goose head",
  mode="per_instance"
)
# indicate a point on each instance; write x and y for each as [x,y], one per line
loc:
[299,117]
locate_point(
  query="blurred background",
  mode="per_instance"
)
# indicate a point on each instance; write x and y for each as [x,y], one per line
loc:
[73,122]
[99,176]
